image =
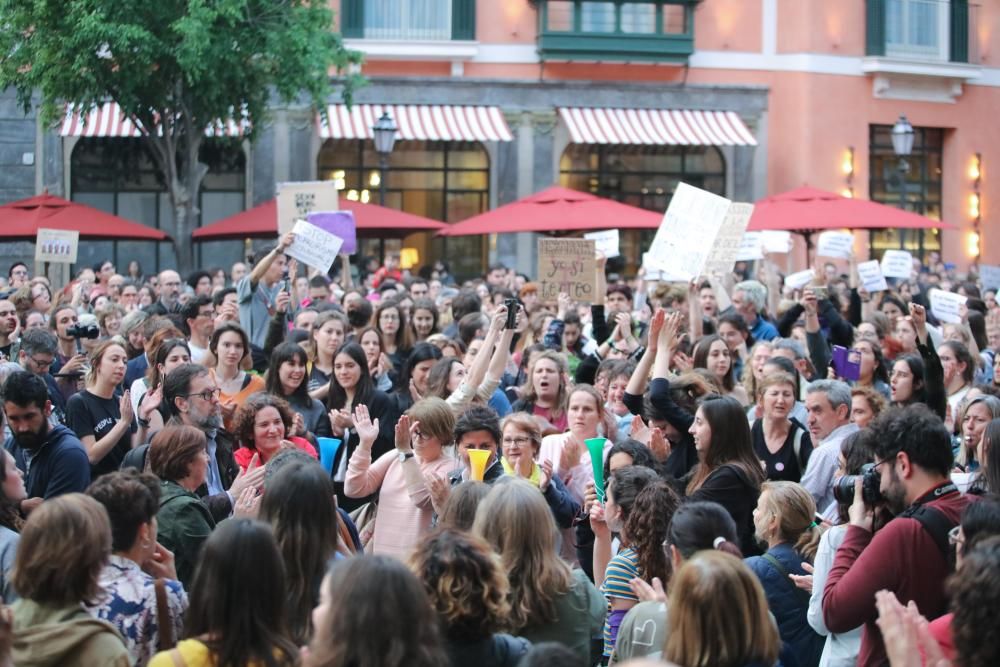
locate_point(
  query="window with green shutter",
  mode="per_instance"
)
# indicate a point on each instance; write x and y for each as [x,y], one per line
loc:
[921,30]
[413,20]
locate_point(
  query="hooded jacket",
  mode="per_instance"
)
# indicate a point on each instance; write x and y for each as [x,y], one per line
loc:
[60,465]
[64,636]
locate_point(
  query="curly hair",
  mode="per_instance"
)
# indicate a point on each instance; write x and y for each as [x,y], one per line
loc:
[10,517]
[974,592]
[244,421]
[465,582]
[646,528]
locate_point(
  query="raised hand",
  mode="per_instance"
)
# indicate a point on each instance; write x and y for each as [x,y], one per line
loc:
[366,428]
[403,437]
[655,327]
[251,477]
[659,445]
[569,457]
[439,488]
[545,476]
[125,406]
[668,334]
[150,402]
[247,504]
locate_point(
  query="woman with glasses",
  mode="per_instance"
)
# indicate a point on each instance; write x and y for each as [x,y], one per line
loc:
[399,477]
[521,441]
[390,320]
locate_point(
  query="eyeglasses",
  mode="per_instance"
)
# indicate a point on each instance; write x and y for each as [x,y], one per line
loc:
[388,316]
[207,395]
[43,364]
[520,442]
[420,435]
[955,537]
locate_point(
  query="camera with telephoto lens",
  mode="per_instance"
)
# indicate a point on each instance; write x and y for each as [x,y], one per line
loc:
[79,331]
[843,490]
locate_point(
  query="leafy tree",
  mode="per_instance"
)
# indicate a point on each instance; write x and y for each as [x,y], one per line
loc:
[176,66]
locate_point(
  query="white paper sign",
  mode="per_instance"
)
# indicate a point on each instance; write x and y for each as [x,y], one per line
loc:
[605,242]
[945,306]
[835,244]
[990,276]
[314,246]
[751,247]
[777,242]
[688,230]
[723,253]
[871,276]
[897,264]
[57,245]
[800,279]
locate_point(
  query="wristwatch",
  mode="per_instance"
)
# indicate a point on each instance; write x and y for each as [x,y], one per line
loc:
[405,455]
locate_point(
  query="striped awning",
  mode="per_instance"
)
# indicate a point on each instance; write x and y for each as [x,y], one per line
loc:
[108,120]
[658,127]
[425,122]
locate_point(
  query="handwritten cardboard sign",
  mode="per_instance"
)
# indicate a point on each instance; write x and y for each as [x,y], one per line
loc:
[339,223]
[605,242]
[687,233]
[567,265]
[57,245]
[298,200]
[871,276]
[945,306]
[799,279]
[990,276]
[723,253]
[897,264]
[314,246]
[835,244]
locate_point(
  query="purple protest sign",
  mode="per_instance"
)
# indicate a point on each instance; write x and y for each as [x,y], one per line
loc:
[340,223]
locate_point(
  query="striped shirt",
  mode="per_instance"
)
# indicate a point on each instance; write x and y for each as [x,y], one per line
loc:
[621,569]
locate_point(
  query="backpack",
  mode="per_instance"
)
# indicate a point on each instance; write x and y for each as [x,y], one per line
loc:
[937,525]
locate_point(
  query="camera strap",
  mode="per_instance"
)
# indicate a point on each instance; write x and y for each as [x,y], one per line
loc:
[933,520]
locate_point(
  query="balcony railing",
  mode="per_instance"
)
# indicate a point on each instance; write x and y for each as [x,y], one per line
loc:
[923,30]
[409,20]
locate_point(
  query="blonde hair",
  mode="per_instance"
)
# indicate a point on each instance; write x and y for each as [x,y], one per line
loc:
[774,380]
[795,510]
[562,397]
[719,615]
[607,420]
[749,381]
[516,521]
[97,356]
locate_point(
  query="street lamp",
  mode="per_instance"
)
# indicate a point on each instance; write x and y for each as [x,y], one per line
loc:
[384,137]
[902,146]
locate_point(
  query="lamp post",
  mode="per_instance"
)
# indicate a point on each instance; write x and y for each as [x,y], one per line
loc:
[902,146]
[384,137]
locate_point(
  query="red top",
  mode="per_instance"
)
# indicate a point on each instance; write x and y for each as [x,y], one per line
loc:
[901,557]
[244,455]
[941,629]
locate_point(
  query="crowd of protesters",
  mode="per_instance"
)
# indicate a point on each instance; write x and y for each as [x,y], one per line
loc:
[273,467]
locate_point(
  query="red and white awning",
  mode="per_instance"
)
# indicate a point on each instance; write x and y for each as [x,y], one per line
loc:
[658,127]
[108,120]
[425,122]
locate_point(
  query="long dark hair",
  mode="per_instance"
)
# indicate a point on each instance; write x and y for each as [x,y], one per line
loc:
[337,398]
[640,453]
[376,592]
[238,613]
[421,352]
[699,525]
[731,443]
[701,350]
[283,353]
[301,507]
[916,366]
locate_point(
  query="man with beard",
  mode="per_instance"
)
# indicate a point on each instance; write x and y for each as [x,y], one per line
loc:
[192,399]
[909,555]
[51,457]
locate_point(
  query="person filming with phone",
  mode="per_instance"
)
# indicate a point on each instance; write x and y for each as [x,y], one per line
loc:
[909,555]
[257,292]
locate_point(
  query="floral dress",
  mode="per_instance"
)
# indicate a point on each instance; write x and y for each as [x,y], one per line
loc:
[129,603]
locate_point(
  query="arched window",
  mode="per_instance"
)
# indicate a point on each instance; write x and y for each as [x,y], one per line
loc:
[118,175]
[643,176]
[442,180]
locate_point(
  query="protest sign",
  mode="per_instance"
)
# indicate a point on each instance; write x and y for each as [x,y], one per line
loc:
[723,253]
[800,279]
[897,264]
[605,242]
[990,275]
[338,223]
[688,232]
[777,242]
[871,276]
[297,200]
[57,245]
[835,244]
[567,265]
[945,306]
[751,247]
[314,246]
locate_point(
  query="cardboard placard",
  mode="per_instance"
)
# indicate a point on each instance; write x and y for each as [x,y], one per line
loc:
[313,246]
[338,223]
[839,245]
[723,253]
[897,264]
[567,265]
[776,242]
[687,232]
[870,274]
[298,200]
[751,247]
[800,279]
[57,245]
[990,276]
[605,242]
[945,306]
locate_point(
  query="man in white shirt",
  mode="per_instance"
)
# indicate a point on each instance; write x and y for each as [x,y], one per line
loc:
[828,403]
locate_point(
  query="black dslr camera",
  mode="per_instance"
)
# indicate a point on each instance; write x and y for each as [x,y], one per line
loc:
[843,490]
[80,331]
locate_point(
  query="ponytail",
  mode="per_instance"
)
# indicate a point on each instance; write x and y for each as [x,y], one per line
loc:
[808,541]
[724,545]
[796,510]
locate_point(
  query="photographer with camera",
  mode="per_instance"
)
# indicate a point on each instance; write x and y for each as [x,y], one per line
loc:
[71,362]
[909,556]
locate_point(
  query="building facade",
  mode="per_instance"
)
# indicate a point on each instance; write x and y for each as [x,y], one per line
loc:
[498,99]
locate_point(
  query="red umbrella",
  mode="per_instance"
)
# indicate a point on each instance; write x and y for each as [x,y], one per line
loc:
[554,210]
[372,221]
[22,219]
